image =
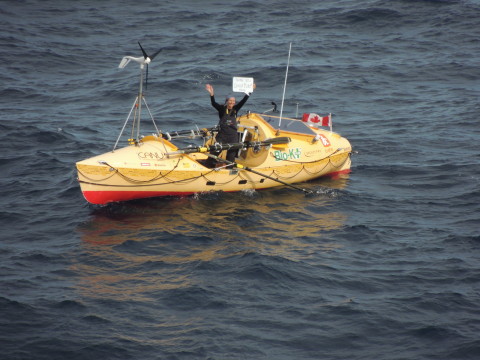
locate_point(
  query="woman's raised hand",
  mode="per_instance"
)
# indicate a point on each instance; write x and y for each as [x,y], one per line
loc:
[209,88]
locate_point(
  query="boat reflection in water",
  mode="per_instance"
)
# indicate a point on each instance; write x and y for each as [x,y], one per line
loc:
[133,249]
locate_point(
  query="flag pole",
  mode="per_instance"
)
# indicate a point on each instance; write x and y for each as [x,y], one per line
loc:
[284,87]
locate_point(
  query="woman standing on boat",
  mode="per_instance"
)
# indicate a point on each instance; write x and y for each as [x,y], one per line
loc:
[227,114]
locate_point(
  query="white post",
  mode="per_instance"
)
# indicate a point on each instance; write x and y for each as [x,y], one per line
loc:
[139,103]
[284,87]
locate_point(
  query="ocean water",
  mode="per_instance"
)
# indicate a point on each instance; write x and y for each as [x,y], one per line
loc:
[381,264]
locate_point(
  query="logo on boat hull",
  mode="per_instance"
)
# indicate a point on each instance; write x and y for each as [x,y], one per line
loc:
[145,155]
[291,154]
[323,139]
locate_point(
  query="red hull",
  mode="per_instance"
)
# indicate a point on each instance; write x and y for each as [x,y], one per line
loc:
[105,197]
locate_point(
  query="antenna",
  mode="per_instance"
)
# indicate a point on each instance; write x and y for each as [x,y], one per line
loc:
[284,87]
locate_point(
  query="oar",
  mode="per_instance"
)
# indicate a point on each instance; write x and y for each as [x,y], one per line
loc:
[232,146]
[180,133]
[240,166]
[277,180]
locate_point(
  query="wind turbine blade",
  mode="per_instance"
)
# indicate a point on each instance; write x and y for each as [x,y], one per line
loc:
[153,56]
[143,51]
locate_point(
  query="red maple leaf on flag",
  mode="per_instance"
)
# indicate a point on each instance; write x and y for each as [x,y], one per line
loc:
[315,119]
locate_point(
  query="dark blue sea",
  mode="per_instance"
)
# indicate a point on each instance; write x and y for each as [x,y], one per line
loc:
[381,264]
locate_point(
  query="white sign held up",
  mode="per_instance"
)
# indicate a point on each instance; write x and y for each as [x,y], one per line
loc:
[242,84]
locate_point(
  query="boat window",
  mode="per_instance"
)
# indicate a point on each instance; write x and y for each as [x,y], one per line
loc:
[297,126]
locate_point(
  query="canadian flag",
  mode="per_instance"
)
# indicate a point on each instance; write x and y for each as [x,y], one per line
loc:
[317,120]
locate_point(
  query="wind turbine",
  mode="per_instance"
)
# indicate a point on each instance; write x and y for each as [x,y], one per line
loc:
[141,60]
[145,60]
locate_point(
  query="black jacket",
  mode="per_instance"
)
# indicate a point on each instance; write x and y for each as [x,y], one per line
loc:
[228,120]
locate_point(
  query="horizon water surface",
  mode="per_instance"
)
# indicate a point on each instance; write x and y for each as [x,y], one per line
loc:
[381,264]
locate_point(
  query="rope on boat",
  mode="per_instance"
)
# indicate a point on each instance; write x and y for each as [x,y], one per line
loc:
[143,182]
[159,176]
[89,178]
[311,162]
[238,175]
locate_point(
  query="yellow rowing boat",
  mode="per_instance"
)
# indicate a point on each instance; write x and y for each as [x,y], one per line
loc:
[271,152]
